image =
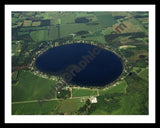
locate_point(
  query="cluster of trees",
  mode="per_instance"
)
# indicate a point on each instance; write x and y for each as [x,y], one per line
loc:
[140,16]
[14,33]
[133,35]
[45,23]
[81,32]
[15,78]
[108,102]
[85,110]
[63,94]
[118,17]
[137,35]
[81,20]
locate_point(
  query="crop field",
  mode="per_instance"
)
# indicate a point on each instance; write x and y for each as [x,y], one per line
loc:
[144,74]
[48,107]
[117,88]
[53,33]
[136,57]
[27,23]
[70,105]
[30,87]
[36,23]
[72,28]
[40,35]
[83,92]
[129,27]
[105,19]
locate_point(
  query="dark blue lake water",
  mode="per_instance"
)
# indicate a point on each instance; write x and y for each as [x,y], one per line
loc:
[81,64]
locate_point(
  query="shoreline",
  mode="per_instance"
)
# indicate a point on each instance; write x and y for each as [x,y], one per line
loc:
[59,79]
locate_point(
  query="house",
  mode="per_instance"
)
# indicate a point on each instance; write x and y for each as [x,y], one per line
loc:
[93,99]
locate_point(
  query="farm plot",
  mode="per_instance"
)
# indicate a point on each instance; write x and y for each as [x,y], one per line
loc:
[83,92]
[67,29]
[27,23]
[70,105]
[31,87]
[40,35]
[53,33]
[117,88]
[36,23]
[105,19]
[144,74]
[49,107]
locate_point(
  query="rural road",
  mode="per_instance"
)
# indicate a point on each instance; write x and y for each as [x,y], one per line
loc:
[34,101]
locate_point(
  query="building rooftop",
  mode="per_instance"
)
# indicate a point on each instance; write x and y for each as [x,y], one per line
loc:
[93,99]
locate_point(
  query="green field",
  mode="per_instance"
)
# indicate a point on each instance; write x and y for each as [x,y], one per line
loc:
[40,35]
[70,106]
[144,74]
[67,29]
[53,33]
[31,87]
[83,92]
[49,107]
[119,88]
[105,19]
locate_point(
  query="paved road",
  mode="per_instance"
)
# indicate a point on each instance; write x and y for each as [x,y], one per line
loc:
[34,101]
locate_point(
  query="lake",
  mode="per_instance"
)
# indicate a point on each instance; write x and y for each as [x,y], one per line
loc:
[81,64]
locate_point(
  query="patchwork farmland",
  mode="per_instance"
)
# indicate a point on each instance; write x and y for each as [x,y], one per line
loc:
[35,32]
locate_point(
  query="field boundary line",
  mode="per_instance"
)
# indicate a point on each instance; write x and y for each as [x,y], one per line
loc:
[34,101]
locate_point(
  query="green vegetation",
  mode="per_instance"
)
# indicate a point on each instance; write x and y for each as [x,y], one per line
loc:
[32,32]
[63,94]
[40,35]
[83,92]
[49,107]
[105,19]
[136,100]
[81,20]
[133,102]
[70,106]
[144,74]
[117,88]
[60,107]
[30,87]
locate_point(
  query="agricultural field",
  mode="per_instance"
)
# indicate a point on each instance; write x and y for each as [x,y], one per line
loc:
[35,108]
[119,87]
[27,23]
[40,35]
[83,92]
[30,87]
[37,93]
[36,23]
